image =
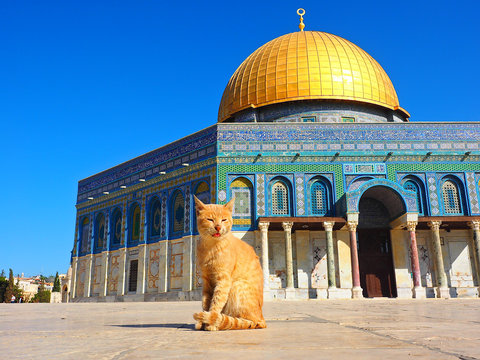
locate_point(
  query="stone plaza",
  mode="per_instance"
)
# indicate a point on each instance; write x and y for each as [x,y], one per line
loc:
[333,329]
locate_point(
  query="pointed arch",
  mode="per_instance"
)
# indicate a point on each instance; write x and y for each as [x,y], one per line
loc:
[134,224]
[154,218]
[84,236]
[242,189]
[414,184]
[280,200]
[99,233]
[202,192]
[116,229]
[320,196]
[177,214]
[453,196]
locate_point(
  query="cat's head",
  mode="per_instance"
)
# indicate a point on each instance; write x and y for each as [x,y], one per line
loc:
[214,220]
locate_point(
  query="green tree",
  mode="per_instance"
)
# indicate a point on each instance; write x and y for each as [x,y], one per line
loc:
[56,284]
[43,295]
[17,291]
[9,291]
[3,286]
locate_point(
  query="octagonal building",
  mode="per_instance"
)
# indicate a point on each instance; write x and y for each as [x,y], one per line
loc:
[340,196]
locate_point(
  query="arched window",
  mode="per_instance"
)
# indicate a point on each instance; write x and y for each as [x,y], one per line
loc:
[319,198]
[451,198]
[280,201]
[85,235]
[99,232]
[202,192]
[242,190]
[134,225]
[116,227]
[177,215]
[155,218]
[412,185]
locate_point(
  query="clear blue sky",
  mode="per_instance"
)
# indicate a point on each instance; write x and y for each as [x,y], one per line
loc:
[87,85]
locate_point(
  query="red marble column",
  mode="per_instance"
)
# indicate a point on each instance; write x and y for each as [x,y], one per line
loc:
[352,227]
[417,282]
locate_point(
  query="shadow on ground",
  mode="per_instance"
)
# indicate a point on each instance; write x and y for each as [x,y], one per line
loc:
[173,326]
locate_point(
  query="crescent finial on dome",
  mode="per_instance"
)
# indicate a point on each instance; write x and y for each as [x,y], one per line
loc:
[301,12]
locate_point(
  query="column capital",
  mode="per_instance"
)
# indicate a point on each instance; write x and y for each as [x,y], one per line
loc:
[434,225]
[263,225]
[411,225]
[328,225]
[474,225]
[287,225]
[352,225]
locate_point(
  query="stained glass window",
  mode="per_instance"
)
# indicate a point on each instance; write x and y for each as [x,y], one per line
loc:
[451,198]
[116,229]
[178,215]
[155,217]
[412,186]
[202,192]
[100,231]
[319,198]
[85,235]
[242,190]
[280,205]
[135,223]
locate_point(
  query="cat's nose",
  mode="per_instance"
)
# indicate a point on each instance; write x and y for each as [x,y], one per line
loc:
[217,227]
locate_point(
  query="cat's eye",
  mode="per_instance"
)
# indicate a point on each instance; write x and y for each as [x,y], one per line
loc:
[210,220]
[224,219]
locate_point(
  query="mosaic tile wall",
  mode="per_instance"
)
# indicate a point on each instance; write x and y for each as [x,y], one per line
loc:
[191,150]
[347,152]
[142,193]
[341,153]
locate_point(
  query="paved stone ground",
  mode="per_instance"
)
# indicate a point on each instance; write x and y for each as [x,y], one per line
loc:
[360,329]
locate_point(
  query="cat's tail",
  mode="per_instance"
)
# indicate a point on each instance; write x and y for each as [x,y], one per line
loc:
[216,321]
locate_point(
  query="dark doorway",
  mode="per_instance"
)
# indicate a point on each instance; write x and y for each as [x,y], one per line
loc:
[377,277]
[132,279]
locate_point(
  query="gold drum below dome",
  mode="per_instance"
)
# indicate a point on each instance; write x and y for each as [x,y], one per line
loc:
[307,65]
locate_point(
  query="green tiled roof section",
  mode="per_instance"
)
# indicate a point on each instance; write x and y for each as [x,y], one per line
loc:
[336,169]
[392,169]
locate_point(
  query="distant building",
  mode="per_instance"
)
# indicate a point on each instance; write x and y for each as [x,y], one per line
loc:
[30,286]
[337,192]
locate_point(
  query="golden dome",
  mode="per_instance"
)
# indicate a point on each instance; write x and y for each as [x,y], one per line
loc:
[307,65]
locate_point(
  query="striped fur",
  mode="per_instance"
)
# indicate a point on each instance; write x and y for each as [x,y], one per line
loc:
[215,321]
[232,296]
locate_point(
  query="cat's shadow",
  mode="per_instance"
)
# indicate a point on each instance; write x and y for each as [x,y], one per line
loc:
[172,326]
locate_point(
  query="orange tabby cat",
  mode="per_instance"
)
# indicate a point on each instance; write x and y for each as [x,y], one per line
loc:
[231,273]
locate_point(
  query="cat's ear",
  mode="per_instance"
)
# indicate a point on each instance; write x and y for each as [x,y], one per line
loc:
[198,204]
[229,205]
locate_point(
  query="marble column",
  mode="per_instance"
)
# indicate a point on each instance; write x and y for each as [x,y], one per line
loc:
[287,228]
[418,290]
[104,275]
[263,226]
[475,226]
[332,282]
[74,278]
[441,276]
[357,292]
[88,276]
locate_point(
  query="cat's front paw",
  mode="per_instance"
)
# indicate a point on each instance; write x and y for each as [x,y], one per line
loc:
[207,320]
[211,328]
[199,325]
